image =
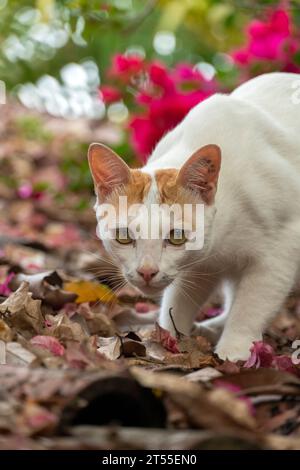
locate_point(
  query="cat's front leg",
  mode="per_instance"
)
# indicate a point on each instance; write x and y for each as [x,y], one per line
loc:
[181,303]
[259,295]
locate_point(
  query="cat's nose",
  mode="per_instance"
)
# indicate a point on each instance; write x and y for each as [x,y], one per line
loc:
[147,273]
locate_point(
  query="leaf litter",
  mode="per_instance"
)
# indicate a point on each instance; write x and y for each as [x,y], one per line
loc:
[82,366]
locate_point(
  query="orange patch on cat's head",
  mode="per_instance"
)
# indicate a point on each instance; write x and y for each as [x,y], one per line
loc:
[135,190]
[168,188]
[112,177]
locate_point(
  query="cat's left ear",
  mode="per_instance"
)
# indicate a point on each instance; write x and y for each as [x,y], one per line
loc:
[200,173]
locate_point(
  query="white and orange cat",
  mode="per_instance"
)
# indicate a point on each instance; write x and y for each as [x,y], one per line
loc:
[239,155]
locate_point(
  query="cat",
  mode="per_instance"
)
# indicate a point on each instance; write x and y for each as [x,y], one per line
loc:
[238,155]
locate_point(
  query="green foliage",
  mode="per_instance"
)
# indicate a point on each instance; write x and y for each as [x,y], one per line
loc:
[76,168]
[31,128]
[98,29]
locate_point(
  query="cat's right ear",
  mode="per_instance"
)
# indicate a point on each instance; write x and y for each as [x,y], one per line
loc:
[108,170]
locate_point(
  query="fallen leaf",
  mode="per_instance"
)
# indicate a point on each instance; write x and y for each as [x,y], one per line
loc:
[5,332]
[16,354]
[110,347]
[131,348]
[65,329]
[89,291]
[21,311]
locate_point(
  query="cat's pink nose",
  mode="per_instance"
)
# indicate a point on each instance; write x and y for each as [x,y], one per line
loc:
[147,273]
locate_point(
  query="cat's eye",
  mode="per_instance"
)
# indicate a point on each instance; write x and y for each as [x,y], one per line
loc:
[177,237]
[122,236]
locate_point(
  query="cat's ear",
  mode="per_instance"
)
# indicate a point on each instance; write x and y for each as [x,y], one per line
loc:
[201,171]
[108,170]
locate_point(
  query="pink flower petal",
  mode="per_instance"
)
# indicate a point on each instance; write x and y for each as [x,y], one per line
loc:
[262,355]
[50,343]
[166,339]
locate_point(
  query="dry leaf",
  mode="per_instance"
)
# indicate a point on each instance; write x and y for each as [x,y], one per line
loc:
[22,311]
[65,329]
[5,332]
[110,347]
[18,355]
[88,291]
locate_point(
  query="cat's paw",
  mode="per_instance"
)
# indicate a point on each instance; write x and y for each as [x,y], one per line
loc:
[235,350]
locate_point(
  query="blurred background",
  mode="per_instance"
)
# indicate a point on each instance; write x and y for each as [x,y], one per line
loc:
[122,72]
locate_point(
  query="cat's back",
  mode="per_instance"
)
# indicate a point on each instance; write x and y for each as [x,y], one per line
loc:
[275,93]
[265,111]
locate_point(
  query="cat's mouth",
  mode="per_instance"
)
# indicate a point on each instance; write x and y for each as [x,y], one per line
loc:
[150,288]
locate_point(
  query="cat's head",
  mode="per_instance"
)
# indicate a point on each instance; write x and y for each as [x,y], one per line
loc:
[152,222]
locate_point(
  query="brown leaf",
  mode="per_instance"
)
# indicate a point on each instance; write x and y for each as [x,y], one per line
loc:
[5,332]
[23,312]
[110,347]
[65,329]
[131,348]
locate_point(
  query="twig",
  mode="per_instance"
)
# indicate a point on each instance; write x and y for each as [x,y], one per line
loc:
[178,334]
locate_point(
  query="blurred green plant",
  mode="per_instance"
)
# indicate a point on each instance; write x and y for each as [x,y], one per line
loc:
[43,35]
[31,128]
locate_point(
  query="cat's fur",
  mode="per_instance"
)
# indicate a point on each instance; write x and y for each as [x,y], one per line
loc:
[252,210]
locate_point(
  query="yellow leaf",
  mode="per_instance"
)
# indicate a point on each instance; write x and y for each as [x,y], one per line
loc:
[89,291]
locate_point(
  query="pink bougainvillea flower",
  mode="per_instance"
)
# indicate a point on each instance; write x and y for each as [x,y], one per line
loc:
[261,355]
[160,77]
[270,40]
[166,339]
[267,38]
[4,287]
[161,115]
[50,343]
[125,66]
[110,94]
[187,73]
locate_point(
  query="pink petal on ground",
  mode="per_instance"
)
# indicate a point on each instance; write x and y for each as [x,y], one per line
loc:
[4,287]
[50,343]
[262,355]
[285,363]
[166,339]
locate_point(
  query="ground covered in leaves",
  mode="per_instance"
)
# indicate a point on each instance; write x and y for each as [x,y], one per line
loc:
[79,371]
